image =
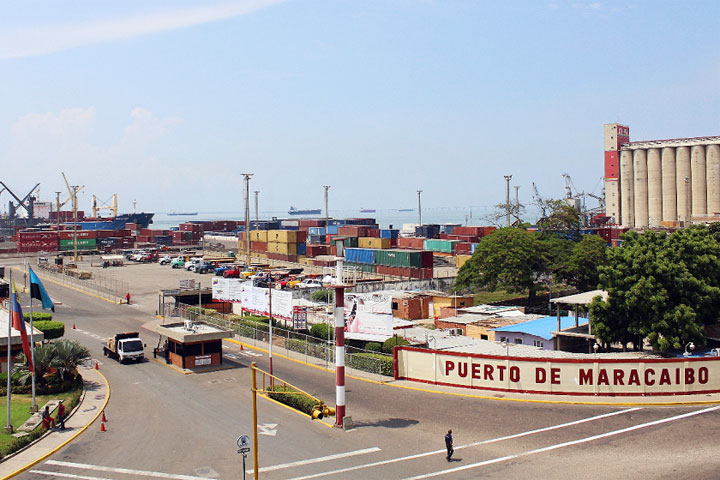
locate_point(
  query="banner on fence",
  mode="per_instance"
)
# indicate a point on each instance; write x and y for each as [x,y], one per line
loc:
[253,299]
[368,316]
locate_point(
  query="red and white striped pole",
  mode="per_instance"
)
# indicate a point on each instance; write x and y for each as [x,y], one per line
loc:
[339,355]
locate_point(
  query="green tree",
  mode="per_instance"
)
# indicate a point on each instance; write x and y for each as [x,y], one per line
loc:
[663,288]
[512,259]
[560,217]
[581,268]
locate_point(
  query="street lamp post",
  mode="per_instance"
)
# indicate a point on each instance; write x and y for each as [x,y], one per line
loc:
[419,208]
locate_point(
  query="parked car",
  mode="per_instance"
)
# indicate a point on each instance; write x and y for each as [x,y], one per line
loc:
[165,259]
[232,272]
[310,283]
[178,262]
[204,267]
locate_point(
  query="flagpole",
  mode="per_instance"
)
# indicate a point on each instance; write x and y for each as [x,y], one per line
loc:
[8,425]
[33,407]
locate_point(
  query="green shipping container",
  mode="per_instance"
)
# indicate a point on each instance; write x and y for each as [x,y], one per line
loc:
[81,243]
[350,242]
[398,258]
[362,267]
[443,246]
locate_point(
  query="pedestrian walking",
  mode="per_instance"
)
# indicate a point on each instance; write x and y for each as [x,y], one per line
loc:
[61,415]
[127,298]
[449,445]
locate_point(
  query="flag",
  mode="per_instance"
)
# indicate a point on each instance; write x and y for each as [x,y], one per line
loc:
[38,292]
[18,323]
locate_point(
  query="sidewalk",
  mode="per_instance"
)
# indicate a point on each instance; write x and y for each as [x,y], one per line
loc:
[91,406]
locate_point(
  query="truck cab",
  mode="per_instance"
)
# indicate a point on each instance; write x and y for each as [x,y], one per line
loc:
[125,347]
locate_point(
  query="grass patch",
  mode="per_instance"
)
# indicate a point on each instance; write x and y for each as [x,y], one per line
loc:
[20,411]
[484,297]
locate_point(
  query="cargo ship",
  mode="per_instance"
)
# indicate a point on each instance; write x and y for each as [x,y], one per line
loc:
[295,211]
[175,214]
[114,223]
[367,210]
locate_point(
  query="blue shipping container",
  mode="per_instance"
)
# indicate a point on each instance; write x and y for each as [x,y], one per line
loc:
[301,248]
[332,229]
[316,231]
[389,233]
[360,255]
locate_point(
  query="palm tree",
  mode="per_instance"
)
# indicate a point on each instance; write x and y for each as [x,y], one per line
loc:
[67,356]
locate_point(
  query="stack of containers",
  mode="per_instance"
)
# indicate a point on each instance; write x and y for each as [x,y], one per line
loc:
[281,245]
[427,231]
[401,263]
[415,243]
[440,246]
[86,240]
[36,241]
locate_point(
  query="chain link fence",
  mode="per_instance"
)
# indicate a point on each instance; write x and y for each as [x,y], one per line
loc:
[101,285]
[291,343]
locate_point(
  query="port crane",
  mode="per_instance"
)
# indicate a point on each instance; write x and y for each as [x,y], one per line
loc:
[26,202]
[113,208]
[73,191]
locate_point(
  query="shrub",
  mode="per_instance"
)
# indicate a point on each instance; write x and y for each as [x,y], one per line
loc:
[391,342]
[374,346]
[38,316]
[256,318]
[323,295]
[50,328]
[298,401]
[372,362]
[320,330]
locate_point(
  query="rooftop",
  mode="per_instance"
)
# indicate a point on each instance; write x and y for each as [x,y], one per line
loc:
[542,327]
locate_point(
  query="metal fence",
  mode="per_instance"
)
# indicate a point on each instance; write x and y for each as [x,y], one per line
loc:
[293,344]
[101,285]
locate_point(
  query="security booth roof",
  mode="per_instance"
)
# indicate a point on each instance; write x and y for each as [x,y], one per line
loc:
[199,332]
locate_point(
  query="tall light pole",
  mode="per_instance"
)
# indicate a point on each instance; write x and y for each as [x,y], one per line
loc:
[257,214]
[247,176]
[57,200]
[507,198]
[327,214]
[517,203]
[419,209]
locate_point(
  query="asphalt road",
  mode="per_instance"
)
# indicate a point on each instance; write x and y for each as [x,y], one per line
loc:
[163,424]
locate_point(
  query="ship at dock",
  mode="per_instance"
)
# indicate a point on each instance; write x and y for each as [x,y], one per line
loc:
[309,211]
[183,214]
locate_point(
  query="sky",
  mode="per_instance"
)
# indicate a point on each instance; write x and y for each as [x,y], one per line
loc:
[168,102]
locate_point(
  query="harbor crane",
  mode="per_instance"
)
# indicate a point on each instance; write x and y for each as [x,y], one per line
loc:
[73,191]
[27,202]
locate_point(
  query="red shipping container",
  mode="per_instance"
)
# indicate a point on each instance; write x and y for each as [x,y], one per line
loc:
[475,231]
[258,246]
[301,236]
[393,242]
[415,243]
[312,223]
[69,234]
[332,250]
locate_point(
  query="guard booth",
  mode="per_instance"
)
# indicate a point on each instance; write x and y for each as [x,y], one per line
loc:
[192,345]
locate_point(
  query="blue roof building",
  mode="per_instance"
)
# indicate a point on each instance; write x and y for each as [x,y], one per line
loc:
[538,333]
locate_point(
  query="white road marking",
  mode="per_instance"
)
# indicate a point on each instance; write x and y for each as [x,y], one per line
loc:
[269,429]
[565,444]
[68,475]
[474,444]
[317,460]
[129,471]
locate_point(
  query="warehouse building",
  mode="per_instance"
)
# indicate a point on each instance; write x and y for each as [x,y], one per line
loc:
[660,183]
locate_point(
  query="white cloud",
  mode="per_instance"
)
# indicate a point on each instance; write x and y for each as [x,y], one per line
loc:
[32,40]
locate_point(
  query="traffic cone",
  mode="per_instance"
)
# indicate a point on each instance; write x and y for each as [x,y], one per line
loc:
[96,365]
[241,347]
[103,417]
[102,427]
[73,326]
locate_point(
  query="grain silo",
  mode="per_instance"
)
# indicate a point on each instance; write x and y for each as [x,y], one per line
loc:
[699,180]
[713,179]
[654,173]
[669,189]
[640,196]
[659,183]
[682,162]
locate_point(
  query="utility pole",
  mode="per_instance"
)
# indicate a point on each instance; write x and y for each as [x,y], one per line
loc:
[507,198]
[327,214]
[75,189]
[257,214]
[57,200]
[419,209]
[247,217]
[517,203]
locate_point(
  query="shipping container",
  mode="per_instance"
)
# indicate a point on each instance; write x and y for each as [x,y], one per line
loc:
[411,242]
[442,246]
[67,234]
[427,231]
[301,249]
[280,236]
[360,255]
[362,267]
[360,221]
[258,235]
[448,227]
[389,233]
[290,223]
[81,243]
[332,229]
[404,258]
[313,250]
[376,243]
[283,248]
[461,259]
[316,231]
[312,223]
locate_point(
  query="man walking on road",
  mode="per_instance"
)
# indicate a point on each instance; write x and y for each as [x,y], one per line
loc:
[449,444]
[127,297]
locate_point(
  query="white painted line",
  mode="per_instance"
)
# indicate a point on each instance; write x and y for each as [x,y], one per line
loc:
[101,468]
[482,442]
[317,460]
[565,444]
[68,475]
